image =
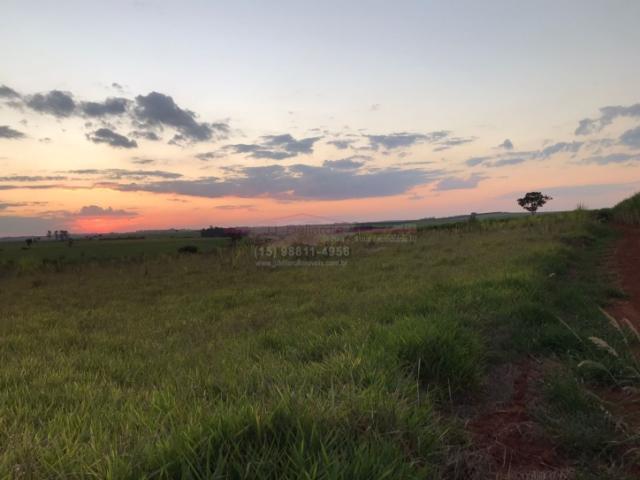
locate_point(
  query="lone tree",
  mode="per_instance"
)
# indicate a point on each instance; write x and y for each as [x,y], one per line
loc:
[532,201]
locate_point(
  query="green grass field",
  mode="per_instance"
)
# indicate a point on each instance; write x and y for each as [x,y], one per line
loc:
[18,255]
[206,366]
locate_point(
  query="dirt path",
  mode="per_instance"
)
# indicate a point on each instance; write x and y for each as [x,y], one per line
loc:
[625,263]
[512,442]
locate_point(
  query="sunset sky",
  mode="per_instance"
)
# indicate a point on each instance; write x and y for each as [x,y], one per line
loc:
[133,115]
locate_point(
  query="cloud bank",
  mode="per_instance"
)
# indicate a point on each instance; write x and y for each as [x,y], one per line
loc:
[147,114]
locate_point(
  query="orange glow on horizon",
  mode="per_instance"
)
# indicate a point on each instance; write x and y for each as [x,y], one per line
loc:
[103,224]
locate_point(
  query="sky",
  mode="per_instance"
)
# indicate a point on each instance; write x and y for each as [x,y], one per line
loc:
[137,115]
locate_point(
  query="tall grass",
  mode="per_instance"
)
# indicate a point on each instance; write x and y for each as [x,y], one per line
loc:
[628,211]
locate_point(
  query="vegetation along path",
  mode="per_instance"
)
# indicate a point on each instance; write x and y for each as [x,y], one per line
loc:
[626,264]
[565,410]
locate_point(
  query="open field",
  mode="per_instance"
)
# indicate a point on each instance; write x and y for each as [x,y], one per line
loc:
[206,366]
[57,254]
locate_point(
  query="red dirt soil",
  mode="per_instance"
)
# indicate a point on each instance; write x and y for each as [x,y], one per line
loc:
[626,265]
[515,445]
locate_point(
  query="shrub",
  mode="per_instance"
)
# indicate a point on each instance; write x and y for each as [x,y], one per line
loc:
[604,215]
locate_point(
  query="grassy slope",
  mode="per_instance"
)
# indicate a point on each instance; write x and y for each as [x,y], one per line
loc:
[205,366]
[628,211]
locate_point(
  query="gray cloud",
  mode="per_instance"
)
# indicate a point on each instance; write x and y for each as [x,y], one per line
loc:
[142,161]
[559,147]
[448,143]
[160,109]
[302,182]
[6,92]
[341,144]
[404,139]
[8,132]
[30,178]
[473,161]
[503,162]
[114,139]
[506,159]
[607,116]
[178,139]
[55,102]
[506,145]
[111,106]
[456,183]
[235,207]
[31,187]
[96,211]
[145,134]
[147,113]
[290,144]
[276,147]
[343,164]
[413,162]
[612,158]
[631,138]
[587,126]
[257,151]
[211,155]
[120,173]
[515,158]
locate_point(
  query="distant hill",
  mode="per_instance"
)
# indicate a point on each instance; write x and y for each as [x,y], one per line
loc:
[432,221]
[464,218]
